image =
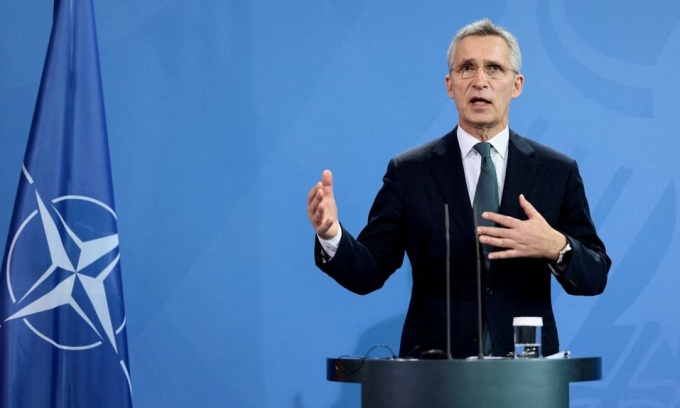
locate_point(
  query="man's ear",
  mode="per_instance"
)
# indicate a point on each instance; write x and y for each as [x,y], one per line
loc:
[449,86]
[518,86]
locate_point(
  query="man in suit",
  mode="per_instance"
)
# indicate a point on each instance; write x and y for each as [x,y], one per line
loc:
[542,228]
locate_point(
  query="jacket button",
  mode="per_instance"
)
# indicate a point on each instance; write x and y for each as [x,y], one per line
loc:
[489,291]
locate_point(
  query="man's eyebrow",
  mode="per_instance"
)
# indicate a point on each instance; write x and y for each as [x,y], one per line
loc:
[473,61]
[467,61]
[493,62]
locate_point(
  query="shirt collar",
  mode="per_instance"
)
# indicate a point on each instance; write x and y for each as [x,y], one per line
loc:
[499,142]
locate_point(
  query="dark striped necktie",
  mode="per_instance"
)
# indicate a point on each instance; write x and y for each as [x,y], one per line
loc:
[486,194]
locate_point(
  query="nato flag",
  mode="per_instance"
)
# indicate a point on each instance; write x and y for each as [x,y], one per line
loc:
[62,320]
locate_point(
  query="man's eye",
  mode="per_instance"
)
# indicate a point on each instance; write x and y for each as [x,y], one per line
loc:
[494,68]
[466,67]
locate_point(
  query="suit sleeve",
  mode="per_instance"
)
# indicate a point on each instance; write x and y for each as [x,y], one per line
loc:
[587,270]
[362,265]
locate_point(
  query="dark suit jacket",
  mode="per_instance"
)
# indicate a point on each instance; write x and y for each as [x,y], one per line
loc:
[408,217]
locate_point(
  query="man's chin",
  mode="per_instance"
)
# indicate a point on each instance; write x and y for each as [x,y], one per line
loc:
[481,121]
[488,126]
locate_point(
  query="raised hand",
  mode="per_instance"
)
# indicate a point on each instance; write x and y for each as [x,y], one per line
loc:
[322,209]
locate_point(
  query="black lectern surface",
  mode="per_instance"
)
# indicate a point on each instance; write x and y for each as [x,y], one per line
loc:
[493,383]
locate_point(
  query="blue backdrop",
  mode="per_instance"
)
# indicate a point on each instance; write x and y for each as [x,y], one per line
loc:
[222,115]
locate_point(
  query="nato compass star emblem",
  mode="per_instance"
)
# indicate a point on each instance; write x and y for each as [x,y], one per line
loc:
[58,266]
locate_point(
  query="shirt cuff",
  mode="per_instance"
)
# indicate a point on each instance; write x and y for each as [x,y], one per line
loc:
[330,246]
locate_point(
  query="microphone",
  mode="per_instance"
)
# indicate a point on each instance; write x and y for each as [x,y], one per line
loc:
[436,354]
[480,333]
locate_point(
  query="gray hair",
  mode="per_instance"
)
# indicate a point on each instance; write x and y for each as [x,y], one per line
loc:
[482,28]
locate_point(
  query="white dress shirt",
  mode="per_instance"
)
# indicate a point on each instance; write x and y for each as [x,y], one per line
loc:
[472,160]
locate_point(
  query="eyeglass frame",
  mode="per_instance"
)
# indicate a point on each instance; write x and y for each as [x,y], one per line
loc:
[485,68]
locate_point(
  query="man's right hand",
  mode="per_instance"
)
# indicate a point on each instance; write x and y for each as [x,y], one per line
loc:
[322,209]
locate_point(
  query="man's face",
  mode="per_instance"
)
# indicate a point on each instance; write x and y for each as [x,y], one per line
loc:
[483,102]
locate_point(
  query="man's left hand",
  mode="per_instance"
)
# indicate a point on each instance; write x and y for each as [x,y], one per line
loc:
[531,238]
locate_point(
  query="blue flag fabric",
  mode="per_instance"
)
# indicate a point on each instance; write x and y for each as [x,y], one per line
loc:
[62,319]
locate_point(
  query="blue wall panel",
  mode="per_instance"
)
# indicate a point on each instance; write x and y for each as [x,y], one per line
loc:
[222,115]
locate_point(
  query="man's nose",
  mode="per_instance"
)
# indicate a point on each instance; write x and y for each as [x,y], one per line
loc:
[480,79]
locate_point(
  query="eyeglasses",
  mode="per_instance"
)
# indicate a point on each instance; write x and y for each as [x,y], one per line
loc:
[492,71]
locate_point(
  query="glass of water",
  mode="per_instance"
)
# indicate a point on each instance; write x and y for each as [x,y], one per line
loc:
[527,336]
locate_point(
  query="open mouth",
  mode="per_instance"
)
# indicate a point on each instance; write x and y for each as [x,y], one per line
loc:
[480,101]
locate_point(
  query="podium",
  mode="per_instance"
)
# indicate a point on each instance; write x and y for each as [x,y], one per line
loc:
[493,383]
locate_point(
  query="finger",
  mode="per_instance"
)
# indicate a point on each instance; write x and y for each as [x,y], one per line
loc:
[316,208]
[503,220]
[313,192]
[507,254]
[313,205]
[494,232]
[327,178]
[315,195]
[529,209]
[497,242]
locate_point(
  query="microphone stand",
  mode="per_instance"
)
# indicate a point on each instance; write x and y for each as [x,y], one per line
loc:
[448,282]
[480,333]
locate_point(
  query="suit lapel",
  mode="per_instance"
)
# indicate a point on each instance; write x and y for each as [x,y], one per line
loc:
[519,176]
[446,168]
